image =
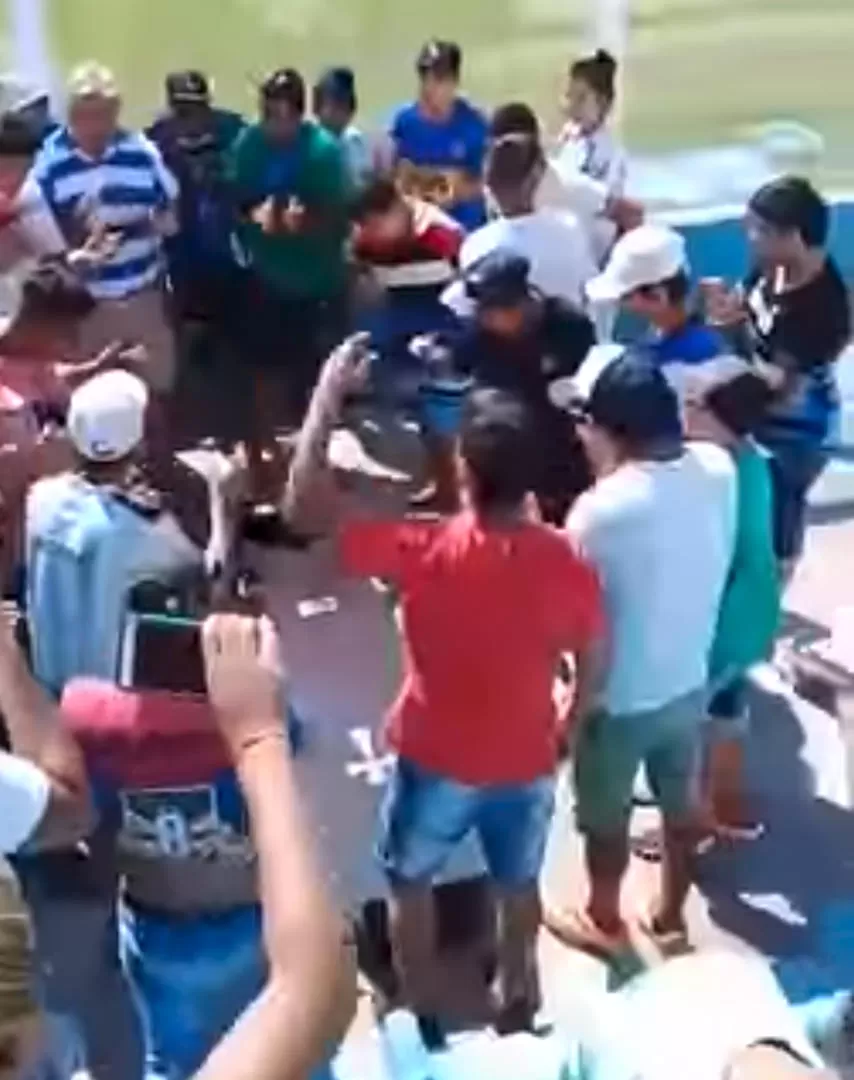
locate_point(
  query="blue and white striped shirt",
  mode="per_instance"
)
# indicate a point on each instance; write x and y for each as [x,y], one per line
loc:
[121,189]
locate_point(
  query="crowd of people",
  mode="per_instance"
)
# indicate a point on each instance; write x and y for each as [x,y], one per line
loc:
[608,531]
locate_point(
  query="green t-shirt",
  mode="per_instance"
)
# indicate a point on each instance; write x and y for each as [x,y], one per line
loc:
[312,264]
[750,609]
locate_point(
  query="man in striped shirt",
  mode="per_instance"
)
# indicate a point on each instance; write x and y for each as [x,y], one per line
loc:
[113,200]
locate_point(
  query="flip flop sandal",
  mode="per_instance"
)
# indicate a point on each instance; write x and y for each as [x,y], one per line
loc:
[574,928]
[648,846]
[667,941]
[746,833]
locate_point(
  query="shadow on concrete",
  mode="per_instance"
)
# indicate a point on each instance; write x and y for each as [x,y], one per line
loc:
[775,893]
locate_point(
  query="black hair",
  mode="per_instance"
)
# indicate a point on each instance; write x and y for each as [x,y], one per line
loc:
[739,401]
[18,139]
[515,118]
[511,160]
[377,197]
[338,85]
[286,85]
[599,71]
[51,294]
[792,204]
[496,443]
[676,288]
[441,58]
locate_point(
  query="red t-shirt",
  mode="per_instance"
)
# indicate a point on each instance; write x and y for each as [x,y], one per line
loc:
[486,616]
[426,256]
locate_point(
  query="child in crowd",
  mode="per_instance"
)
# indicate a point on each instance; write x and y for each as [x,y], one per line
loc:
[587,142]
[334,104]
[409,248]
[725,402]
[440,139]
[588,147]
[647,274]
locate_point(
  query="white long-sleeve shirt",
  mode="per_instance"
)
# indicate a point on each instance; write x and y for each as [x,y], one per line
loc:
[598,156]
[24,795]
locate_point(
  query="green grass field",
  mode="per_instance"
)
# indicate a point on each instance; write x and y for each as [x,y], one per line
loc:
[699,72]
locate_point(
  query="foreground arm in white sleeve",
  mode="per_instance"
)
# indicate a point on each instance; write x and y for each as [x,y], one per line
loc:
[44,791]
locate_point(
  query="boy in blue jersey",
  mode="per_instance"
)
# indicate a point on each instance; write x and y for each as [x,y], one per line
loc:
[440,139]
[647,274]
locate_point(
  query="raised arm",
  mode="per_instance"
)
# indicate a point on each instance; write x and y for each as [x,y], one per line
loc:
[310,501]
[310,996]
[36,734]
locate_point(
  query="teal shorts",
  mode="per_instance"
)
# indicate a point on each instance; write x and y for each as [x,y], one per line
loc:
[611,749]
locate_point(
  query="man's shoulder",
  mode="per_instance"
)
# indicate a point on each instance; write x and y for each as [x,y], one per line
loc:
[130,141]
[712,459]
[249,141]
[469,115]
[481,242]
[56,149]
[566,327]
[320,146]
[228,123]
[67,511]
[403,117]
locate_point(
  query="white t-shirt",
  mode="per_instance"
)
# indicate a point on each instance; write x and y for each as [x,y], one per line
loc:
[24,794]
[661,535]
[687,1020]
[599,157]
[570,190]
[555,244]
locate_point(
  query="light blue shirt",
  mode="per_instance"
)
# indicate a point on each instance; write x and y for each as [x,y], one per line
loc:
[358,155]
[85,551]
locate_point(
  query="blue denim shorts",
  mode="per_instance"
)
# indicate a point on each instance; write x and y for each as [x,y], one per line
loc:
[424,817]
[442,404]
[191,978]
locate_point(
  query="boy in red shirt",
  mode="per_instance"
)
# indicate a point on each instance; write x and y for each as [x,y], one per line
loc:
[490,601]
[408,250]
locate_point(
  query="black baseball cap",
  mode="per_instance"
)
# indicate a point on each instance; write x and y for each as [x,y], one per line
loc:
[632,399]
[187,88]
[733,391]
[440,58]
[499,280]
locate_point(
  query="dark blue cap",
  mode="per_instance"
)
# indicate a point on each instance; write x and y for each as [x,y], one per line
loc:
[632,399]
[499,279]
[336,84]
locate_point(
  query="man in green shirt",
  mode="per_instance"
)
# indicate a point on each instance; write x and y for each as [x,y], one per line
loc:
[290,183]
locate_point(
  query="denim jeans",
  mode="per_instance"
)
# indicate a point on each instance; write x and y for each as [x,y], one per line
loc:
[425,817]
[190,977]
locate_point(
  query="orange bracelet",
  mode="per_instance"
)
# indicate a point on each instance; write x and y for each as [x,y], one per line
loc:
[261,737]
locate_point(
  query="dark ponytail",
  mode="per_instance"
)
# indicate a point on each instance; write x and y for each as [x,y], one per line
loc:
[599,71]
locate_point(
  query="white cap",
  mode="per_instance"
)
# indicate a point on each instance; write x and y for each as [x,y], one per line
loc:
[574,389]
[18,93]
[106,417]
[647,255]
[92,79]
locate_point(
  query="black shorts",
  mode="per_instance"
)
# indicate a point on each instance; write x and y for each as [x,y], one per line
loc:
[284,331]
